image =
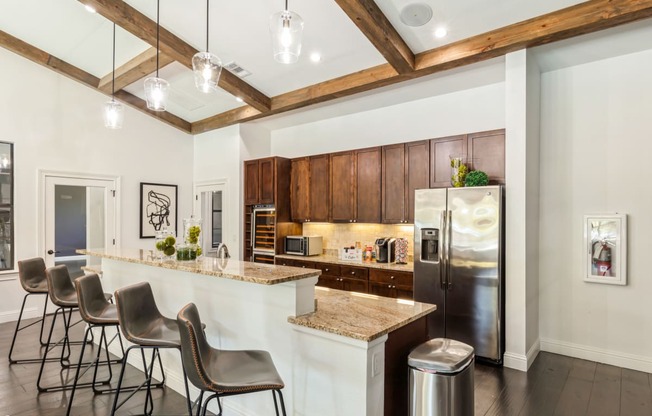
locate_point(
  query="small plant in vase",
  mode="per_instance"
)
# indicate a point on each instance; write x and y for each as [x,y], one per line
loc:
[165,244]
[191,249]
[476,178]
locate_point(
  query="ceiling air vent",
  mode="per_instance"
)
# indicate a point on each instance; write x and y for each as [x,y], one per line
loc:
[237,69]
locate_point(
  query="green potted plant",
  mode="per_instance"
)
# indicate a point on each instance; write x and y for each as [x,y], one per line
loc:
[476,178]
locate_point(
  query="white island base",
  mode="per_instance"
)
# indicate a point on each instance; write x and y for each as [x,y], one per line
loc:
[324,373]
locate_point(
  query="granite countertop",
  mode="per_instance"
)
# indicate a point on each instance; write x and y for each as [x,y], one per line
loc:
[227,268]
[409,267]
[360,316]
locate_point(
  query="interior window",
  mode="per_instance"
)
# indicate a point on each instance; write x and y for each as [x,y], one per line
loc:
[6,206]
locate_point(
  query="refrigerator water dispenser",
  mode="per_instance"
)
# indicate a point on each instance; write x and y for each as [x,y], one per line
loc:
[430,244]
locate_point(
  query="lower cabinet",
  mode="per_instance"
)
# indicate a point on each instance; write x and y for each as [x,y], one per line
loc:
[380,282]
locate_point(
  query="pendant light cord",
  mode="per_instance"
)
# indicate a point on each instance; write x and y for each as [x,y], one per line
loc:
[207,13]
[113,80]
[158,5]
[286,5]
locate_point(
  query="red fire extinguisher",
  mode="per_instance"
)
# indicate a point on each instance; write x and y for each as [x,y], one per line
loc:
[602,257]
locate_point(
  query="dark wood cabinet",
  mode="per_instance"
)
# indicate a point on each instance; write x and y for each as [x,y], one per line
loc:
[405,167]
[355,186]
[486,152]
[440,152]
[309,189]
[260,181]
[391,283]
[342,186]
[368,185]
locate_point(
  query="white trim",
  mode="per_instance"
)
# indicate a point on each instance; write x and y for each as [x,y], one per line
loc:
[221,184]
[6,275]
[12,316]
[522,362]
[586,352]
[70,258]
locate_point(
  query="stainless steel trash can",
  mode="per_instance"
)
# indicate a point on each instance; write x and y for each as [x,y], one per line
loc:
[441,379]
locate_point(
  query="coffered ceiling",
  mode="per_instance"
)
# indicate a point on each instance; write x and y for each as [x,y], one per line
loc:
[363,45]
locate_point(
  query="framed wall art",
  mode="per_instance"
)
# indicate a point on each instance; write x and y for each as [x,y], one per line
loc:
[605,244]
[158,208]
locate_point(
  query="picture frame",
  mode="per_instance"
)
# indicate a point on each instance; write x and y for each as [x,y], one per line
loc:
[605,245]
[158,208]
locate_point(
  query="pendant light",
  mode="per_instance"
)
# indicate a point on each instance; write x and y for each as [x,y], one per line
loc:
[206,66]
[286,28]
[113,110]
[156,89]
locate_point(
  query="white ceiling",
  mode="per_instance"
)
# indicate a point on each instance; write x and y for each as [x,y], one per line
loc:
[239,32]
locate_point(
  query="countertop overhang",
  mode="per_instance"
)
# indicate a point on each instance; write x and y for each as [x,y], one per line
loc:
[408,267]
[210,266]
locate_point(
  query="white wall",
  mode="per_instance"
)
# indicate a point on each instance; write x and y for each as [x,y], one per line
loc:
[595,158]
[56,124]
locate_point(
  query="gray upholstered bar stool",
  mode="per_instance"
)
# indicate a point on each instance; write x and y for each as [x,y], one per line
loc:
[143,325]
[97,312]
[62,294]
[224,372]
[31,273]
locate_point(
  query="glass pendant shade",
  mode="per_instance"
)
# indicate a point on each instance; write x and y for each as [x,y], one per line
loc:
[113,114]
[156,93]
[207,69]
[286,28]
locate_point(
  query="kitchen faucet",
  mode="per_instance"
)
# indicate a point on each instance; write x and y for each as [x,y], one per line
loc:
[222,251]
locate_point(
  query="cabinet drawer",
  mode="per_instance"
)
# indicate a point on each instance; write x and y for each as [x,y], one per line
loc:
[296,263]
[391,276]
[355,272]
[328,269]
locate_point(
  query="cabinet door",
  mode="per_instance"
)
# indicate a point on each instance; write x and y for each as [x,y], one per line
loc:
[300,189]
[354,285]
[266,176]
[418,173]
[319,188]
[382,289]
[342,186]
[393,184]
[486,152]
[332,282]
[251,182]
[440,165]
[368,188]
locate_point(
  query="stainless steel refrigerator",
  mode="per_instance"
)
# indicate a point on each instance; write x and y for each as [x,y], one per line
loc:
[458,265]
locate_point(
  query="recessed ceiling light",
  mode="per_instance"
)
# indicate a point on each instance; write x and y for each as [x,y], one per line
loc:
[90,9]
[441,32]
[315,57]
[238,99]
[416,14]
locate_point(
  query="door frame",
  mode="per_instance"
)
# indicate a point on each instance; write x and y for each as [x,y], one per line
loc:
[44,174]
[221,184]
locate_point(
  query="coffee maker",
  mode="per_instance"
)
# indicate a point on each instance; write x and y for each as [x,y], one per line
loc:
[385,251]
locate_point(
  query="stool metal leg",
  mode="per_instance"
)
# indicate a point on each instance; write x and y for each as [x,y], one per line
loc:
[18,329]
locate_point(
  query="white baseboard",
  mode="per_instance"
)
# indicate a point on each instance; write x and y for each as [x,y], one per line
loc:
[519,361]
[585,352]
[28,313]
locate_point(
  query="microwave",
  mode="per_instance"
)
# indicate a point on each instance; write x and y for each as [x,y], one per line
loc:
[302,245]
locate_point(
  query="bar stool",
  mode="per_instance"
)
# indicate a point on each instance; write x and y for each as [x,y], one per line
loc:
[31,273]
[143,325]
[63,295]
[97,312]
[223,372]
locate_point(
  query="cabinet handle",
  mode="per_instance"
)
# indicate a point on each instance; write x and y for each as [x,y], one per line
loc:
[326,269]
[392,277]
[353,273]
[303,267]
[389,286]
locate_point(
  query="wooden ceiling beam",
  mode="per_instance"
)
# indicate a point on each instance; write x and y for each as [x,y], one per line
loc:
[583,18]
[40,57]
[139,25]
[371,21]
[137,68]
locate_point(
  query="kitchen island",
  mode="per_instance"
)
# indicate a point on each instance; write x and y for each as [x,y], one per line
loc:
[329,365]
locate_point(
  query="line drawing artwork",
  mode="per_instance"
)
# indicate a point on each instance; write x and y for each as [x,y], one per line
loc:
[158,210]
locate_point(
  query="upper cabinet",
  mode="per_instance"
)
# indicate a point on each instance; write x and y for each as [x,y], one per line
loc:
[483,151]
[355,185]
[260,177]
[486,151]
[309,189]
[405,168]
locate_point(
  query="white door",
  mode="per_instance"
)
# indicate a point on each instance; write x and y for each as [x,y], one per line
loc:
[211,206]
[79,213]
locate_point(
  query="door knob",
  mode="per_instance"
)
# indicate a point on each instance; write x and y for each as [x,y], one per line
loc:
[52,251]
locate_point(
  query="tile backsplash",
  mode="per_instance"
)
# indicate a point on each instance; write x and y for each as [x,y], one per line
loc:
[337,236]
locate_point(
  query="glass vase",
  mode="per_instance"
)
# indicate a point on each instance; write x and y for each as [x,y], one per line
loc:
[165,244]
[192,240]
[459,169]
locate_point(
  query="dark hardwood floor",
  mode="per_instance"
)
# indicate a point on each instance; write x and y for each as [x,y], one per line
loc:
[555,385]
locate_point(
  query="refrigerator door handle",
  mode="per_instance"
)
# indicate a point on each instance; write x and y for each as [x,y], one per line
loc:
[449,238]
[443,254]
